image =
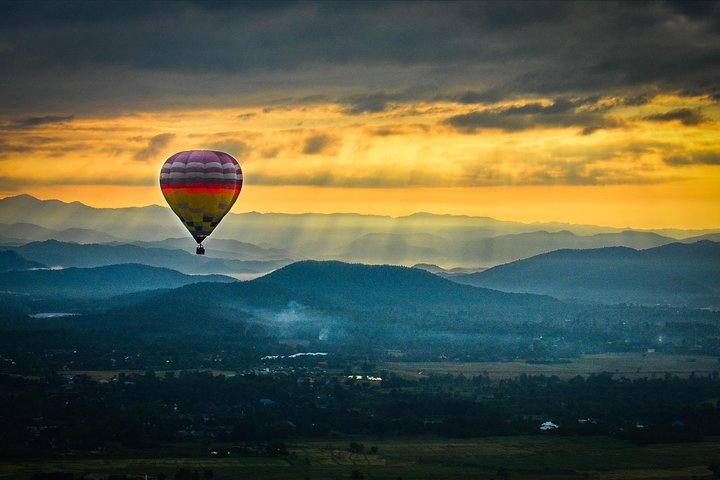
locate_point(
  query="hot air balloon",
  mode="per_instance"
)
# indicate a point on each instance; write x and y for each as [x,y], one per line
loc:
[201,187]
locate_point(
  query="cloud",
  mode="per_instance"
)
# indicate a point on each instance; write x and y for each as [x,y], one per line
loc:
[590,130]
[372,178]
[236,148]
[638,100]
[15,183]
[485,96]
[35,144]
[96,57]
[154,147]
[391,130]
[686,116]
[316,144]
[549,171]
[30,122]
[8,148]
[693,158]
[694,9]
[561,113]
[372,103]
[270,152]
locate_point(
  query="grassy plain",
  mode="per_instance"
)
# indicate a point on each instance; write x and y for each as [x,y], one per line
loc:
[629,365]
[534,457]
[109,374]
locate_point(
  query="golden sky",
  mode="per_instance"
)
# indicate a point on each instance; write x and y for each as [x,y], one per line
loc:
[647,166]
[585,112]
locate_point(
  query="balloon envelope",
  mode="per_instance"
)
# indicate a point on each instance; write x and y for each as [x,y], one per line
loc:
[201,187]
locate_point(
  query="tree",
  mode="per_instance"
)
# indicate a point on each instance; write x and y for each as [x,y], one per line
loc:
[503,473]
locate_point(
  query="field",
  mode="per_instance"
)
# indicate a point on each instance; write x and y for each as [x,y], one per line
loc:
[630,365]
[527,457]
[108,374]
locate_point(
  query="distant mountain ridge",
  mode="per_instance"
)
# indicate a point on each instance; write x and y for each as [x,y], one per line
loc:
[444,240]
[98,282]
[676,273]
[31,232]
[53,253]
[220,248]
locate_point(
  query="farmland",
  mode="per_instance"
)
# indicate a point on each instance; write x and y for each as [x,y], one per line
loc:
[629,365]
[526,457]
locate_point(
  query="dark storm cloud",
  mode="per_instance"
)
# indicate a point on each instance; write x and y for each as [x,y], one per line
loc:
[102,55]
[485,96]
[317,144]
[373,103]
[30,122]
[382,101]
[154,146]
[637,100]
[694,158]
[686,116]
[696,9]
[561,113]
[702,90]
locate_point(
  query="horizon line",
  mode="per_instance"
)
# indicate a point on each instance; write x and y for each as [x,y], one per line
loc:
[539,223]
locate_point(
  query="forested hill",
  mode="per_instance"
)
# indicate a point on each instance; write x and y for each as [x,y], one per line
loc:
[98,282]
[10,260]
[376,286]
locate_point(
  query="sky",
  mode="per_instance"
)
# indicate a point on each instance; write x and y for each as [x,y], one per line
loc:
[600,113]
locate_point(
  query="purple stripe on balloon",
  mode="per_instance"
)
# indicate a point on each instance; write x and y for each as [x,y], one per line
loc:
[201,157]
[200,170]
[201,167]
[194,181]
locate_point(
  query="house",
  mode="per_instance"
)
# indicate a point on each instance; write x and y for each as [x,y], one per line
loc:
[548,426]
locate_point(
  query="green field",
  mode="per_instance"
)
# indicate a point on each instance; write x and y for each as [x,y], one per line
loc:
[521,457]
[109,374]
[630,365]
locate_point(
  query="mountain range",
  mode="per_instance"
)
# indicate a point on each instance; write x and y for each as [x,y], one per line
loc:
[404,249]
[10,260]
[340,307]
[98,282]
[445,240]
[590,264]
[677,273]
[333,300]
[63,254]
[356,309]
